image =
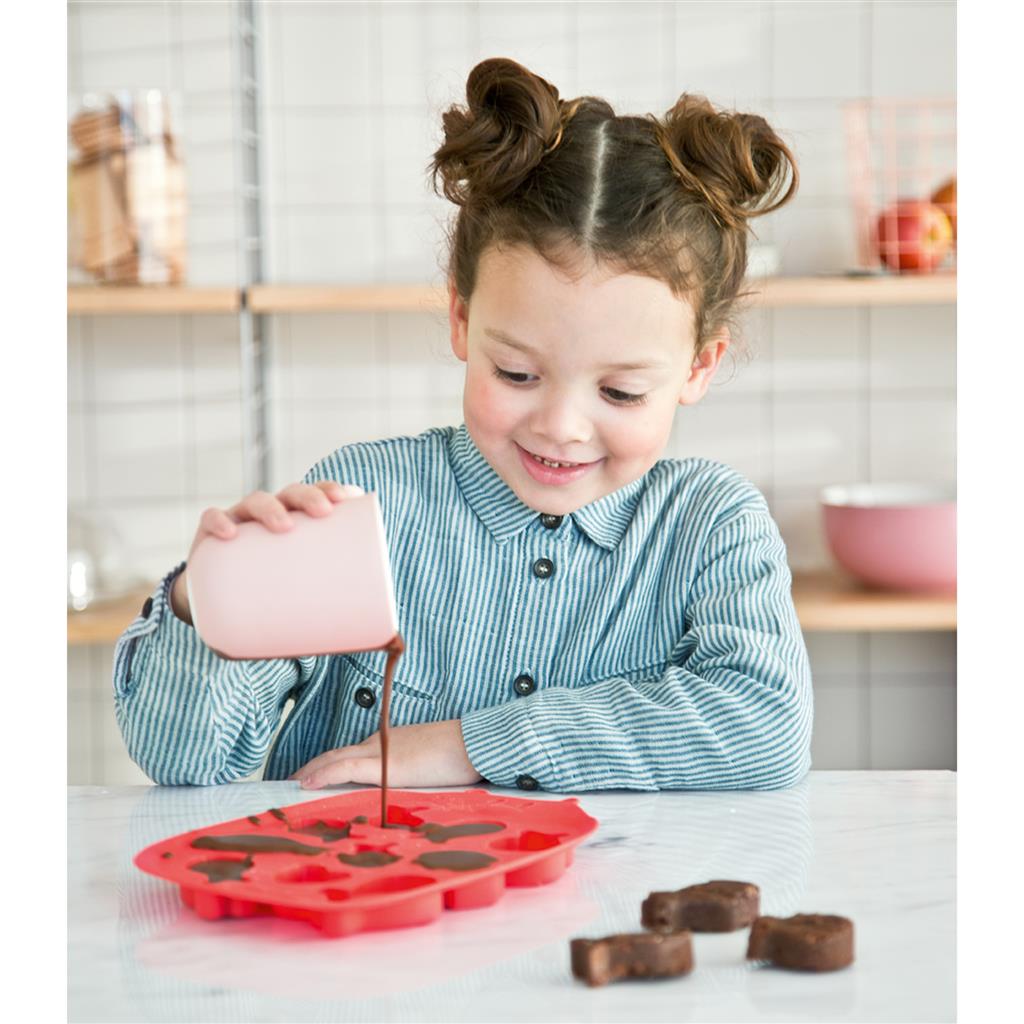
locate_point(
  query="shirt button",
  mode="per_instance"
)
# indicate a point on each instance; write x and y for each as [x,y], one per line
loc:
[551,522]
[527,782]
[524,685]
[365,698]
[543,568]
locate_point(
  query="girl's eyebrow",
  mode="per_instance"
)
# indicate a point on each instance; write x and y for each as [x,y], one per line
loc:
[499,335]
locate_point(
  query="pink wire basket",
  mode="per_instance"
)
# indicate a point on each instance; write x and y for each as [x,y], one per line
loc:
[902,166]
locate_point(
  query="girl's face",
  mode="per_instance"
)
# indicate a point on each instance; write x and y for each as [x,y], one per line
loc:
[587,372]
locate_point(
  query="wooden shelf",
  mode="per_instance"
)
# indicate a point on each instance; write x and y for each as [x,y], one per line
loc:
[105,621]
[774,291]
[396,298]
[902,290]
[824,602]
[887,290]
[87,300]
[827,602]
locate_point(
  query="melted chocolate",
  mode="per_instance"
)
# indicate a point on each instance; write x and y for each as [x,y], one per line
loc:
[325,832]
[454,860]
[253,844]
[222,870]
[395,647]
[368,859]
[442,833]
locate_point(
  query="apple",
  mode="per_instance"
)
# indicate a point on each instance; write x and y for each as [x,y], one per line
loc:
[944,198]
[913,234]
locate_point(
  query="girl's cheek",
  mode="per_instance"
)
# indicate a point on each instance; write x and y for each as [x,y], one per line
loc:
[640,433]
[492,402]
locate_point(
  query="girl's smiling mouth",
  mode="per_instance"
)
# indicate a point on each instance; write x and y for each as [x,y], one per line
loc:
[547,474]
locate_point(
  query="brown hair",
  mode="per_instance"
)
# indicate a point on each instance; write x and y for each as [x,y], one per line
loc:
[668,198]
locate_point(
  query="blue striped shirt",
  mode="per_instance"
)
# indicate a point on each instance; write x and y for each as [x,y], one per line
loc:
[663,651]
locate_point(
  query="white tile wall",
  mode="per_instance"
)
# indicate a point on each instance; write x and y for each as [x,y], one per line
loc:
[558,40]
[351,106]
[820,49]
[725,59]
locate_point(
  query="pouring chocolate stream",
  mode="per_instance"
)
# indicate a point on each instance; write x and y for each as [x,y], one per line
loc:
[395,648]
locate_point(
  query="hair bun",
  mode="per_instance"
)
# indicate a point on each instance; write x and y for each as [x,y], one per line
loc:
[512,118]
[735,161]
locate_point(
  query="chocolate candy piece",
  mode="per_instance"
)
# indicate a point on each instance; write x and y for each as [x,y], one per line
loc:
[806,942]
[643,955]
[711,907]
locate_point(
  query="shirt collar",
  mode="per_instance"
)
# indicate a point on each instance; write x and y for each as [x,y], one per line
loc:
[495,503]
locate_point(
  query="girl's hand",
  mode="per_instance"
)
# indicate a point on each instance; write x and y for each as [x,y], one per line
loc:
[262,507]
[430,754]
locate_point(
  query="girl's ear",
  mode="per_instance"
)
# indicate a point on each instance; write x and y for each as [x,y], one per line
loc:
[458,318]
[704,368]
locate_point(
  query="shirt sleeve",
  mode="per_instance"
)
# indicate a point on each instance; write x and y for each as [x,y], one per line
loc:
[732,710]
[189,716]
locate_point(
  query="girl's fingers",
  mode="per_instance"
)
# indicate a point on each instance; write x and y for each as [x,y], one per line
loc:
[354,752]
[362,770]
[217,522]
[338,492]
[262,507]
[305,498]
[272,510]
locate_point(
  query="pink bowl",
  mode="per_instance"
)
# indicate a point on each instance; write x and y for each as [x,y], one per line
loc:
[895,536]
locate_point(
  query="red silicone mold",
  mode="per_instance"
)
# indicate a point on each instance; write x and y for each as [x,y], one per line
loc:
[330,863]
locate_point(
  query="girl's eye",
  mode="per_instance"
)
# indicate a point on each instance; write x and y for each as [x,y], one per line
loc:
[617,397]
[624,398]
[514,377]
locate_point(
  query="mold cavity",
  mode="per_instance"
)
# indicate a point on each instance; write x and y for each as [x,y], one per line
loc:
[312,873]
[401,883]
[403,816]
[328,830]
[528,841]
[337,895]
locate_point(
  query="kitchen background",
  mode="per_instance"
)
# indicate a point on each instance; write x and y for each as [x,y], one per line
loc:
[349,97]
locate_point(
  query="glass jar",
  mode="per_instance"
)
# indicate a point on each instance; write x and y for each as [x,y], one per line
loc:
[126,189]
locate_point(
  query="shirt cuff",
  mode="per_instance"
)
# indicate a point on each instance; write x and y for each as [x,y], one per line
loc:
[504,748]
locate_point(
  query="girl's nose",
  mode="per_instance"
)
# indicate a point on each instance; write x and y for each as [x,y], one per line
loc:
[561,422]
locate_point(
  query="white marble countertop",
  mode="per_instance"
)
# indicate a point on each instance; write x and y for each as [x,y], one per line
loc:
[878,847]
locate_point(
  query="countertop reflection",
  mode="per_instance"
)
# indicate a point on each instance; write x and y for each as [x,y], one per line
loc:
[878,847]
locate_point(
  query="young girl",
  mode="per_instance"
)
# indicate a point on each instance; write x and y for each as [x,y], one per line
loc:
[578,613]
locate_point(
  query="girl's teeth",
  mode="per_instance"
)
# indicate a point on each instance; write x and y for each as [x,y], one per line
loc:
[554,465]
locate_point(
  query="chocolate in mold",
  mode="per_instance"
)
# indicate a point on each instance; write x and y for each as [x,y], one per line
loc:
[805,942]
[223,870]
[442,833]
[368,859]
[254,844]
[717,906]
[641,955]
[326,833]
[455,860]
